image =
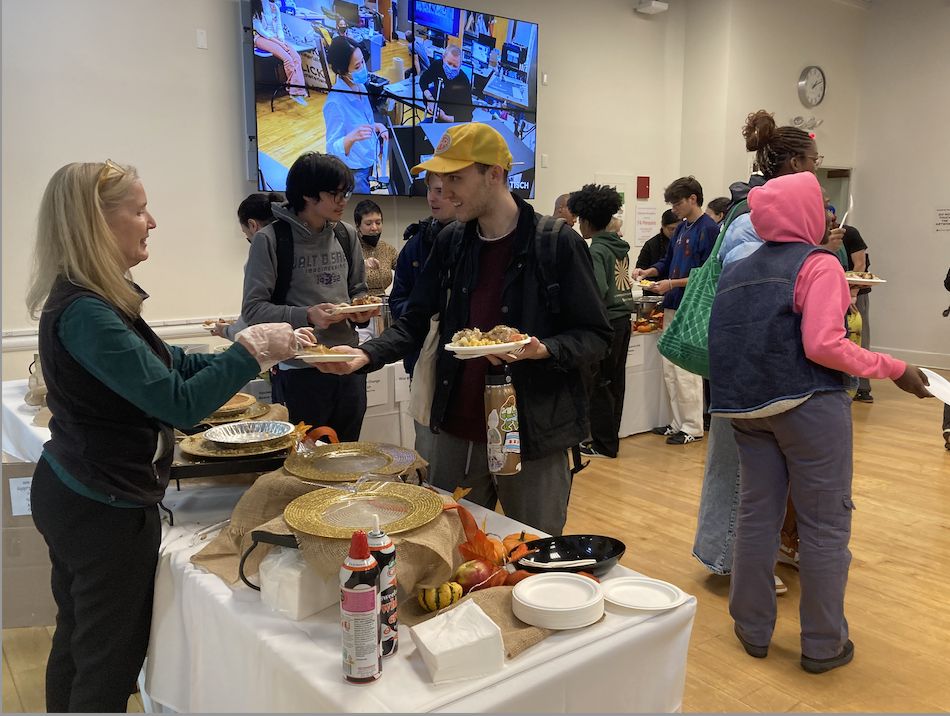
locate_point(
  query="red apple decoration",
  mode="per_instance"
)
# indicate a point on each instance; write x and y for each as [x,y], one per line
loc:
[473,573]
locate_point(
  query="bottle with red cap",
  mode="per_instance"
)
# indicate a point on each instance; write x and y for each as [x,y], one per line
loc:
[359,613]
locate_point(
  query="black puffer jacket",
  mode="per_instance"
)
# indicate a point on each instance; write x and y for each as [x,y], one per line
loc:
[552,403]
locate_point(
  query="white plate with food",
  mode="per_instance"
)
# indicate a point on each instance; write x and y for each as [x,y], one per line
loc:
[209,325]
[322,354]
[939,386]
[489,350]
[862,278]
[358,306]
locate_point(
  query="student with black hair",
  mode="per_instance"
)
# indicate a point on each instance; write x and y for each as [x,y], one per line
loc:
[254,213]
[561,210]
[353,134]
[378,255]
[717,209]
[323,267]
[594,206]
[689,248]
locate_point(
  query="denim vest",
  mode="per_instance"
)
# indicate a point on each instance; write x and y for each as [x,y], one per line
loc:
[756,354]
[101,439]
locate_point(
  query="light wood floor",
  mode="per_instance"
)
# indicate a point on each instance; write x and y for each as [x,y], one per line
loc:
[649,497]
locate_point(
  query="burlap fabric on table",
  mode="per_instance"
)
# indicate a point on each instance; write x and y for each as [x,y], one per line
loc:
[496,603]
[426,556]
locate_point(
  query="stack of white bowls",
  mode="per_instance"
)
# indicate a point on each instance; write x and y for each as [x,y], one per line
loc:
[559,600]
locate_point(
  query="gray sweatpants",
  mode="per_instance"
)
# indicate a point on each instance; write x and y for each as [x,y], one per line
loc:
[807,450]
[537,496]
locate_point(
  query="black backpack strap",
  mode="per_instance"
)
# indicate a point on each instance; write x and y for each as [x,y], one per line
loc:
[545,244]
[343,236]
[285,261]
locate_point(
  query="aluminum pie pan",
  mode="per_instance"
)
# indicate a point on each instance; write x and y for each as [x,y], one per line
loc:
[249,432]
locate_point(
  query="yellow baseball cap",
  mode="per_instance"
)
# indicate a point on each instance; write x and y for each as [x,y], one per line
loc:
[464,145]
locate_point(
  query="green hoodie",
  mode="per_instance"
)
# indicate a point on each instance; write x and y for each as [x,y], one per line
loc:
[612,271]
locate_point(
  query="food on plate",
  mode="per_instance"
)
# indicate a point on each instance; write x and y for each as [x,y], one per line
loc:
[237,401]
[432,600]
[469,337]
[866,275]
[368,301]
[318,350]
[646,282]
[229,322]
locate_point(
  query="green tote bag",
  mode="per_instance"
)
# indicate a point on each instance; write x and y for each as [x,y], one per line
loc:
[685,342]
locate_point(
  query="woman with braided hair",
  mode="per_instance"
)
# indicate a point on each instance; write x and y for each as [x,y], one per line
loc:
[778,151]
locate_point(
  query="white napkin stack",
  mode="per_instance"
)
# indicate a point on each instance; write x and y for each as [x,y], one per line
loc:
[290,587]
[460,644]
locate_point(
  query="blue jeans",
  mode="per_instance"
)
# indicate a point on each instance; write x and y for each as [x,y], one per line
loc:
[361,179]
[719,503]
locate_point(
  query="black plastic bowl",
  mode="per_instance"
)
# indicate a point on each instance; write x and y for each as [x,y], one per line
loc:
[567,548]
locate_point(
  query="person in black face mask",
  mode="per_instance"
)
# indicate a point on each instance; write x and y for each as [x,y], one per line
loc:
[379,256]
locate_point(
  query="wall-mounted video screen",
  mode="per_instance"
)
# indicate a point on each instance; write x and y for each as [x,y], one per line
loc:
[377,83]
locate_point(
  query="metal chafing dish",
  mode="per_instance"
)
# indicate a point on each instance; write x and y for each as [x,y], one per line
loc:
[645,305]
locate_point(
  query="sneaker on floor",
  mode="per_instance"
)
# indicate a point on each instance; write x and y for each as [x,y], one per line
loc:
[780,587]
[664,430]
[820,666]
[759,652]
[788,551]
[681,438]
[589,451]
[299,99]
[864,396]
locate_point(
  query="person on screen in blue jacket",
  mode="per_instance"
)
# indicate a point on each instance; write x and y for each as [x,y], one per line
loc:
[353,134]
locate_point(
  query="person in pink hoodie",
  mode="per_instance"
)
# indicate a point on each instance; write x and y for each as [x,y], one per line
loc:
[780,365]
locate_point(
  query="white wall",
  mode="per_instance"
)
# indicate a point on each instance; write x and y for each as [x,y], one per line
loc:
[124,79]
[901,175]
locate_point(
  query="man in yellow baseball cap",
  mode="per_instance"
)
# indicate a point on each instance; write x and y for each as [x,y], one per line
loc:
[500,263]
[464,145]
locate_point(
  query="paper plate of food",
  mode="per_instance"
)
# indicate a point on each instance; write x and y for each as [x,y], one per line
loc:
[472,342]
[209,325]
[862,278]
[322,354]
[358,305]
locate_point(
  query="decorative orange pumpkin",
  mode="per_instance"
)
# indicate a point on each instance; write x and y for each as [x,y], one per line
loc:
[513,540]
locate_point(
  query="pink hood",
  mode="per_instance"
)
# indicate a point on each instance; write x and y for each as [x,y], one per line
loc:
[788,209]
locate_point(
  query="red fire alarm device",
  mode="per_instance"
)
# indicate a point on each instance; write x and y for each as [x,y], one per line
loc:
[643,187]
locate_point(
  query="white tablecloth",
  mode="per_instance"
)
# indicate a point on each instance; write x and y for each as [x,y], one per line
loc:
[21,439]
[218,649]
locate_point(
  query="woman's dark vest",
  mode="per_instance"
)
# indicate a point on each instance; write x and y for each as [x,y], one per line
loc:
[756,354]
[99,437]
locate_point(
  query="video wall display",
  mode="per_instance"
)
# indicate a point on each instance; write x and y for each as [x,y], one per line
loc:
[378,83]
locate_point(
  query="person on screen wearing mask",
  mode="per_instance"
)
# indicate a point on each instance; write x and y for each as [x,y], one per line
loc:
[380,257]
[445,81]
[353,134]
[562,212]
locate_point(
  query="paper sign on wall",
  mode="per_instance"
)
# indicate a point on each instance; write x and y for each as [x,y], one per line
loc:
[635,352]
[402,382]
[20,496]
[377,388]
[646,224]
[942,220]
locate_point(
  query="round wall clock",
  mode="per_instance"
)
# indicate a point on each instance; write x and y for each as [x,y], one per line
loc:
[811,86]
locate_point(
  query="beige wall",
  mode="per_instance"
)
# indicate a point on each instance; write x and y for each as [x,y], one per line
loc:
[627,93]
[901,175]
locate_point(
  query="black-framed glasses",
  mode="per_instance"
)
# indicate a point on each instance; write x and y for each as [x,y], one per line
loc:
[340,197]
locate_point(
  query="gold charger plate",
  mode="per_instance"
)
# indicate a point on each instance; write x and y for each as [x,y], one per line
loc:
[199,447]
[345,462]
[255,411]
[337,514]
[238,404]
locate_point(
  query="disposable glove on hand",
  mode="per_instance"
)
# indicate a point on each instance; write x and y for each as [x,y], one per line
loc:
[269,343]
